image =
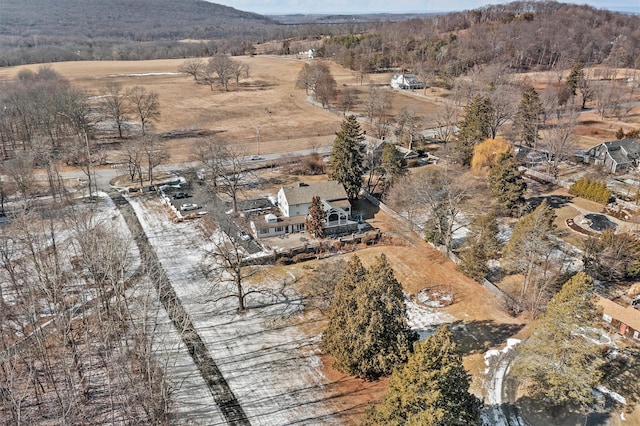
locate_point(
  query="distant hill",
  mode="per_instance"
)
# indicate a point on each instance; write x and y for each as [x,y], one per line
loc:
[140,20]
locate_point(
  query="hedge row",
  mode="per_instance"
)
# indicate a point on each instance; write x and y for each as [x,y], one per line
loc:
[593,190]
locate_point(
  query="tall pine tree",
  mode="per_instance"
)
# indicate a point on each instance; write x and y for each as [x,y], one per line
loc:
[475,127]
[557,363]
[315,218]
[432,388]
[368,334]
[527,121]
[507,184]
[339,336]
[346,158]
[480,246]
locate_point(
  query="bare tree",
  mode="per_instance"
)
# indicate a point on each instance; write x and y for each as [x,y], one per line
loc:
[240,70]
[155,154]
[504,107]
[145,104]
[347,99]
[223,66]
[407,125]
[442,194]
[115,106]
[20,170]
[325,90]
[133,157]
[311,74]
[224,263]
[193,67]
[377,107]
[447,122]
[224,166]
[305,78]
[559,140]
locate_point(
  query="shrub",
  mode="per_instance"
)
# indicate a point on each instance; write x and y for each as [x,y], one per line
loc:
[593,190]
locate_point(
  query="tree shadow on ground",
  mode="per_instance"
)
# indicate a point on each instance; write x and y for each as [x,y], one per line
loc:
[536,414]
[554,201]
[622,374]
[364,207]
[480,336]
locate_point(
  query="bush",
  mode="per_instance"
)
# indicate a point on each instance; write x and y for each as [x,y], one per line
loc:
[591,190]
[284,261]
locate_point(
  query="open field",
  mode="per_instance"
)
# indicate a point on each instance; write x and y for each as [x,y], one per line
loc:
[266,113]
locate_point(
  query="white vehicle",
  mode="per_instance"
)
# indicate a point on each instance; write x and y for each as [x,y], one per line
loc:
[189,206]
[244,236]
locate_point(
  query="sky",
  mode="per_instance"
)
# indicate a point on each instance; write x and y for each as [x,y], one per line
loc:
[280,7]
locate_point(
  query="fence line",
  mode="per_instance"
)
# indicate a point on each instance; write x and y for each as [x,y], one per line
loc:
[510,302]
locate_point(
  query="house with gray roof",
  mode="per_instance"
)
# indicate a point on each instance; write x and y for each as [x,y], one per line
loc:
[615,156]
[294,203]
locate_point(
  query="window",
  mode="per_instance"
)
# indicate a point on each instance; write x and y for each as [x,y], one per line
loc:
[279,228]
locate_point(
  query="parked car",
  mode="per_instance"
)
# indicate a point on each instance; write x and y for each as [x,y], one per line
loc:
[179,195]
[189,206]
[244,236]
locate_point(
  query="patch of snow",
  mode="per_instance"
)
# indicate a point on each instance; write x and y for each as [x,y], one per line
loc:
[268,362]
[611,394]
[425,320]
[145,74]
[498,363]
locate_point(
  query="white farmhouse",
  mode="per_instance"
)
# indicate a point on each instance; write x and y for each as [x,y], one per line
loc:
[294,203]
[406,82]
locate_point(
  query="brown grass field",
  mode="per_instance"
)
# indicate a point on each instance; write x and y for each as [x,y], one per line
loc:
[267,103]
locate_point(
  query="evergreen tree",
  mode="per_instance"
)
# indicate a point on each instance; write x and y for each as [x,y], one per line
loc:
[315,218]
[475,127]
[346,158]
[339,337]
[527,121]
[392,164]
[432,388]
[507,184]
[558,364]
[573,79]
[480,246]
[367,332]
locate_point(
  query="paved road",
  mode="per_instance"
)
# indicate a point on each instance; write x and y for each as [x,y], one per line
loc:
[104,175]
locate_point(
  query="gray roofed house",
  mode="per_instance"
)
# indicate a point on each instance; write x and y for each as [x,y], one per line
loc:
[296,200]
[614,156]
[294,203]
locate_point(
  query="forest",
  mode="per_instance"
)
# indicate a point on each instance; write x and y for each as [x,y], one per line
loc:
[521,35]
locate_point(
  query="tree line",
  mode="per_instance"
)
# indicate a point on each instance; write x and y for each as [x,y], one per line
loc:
[45,122]
[75,346]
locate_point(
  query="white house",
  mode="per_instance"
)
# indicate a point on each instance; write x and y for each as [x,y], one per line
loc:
[294,203]
[406,82]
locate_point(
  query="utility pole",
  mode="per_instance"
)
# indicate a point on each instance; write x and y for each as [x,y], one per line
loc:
[257,140]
